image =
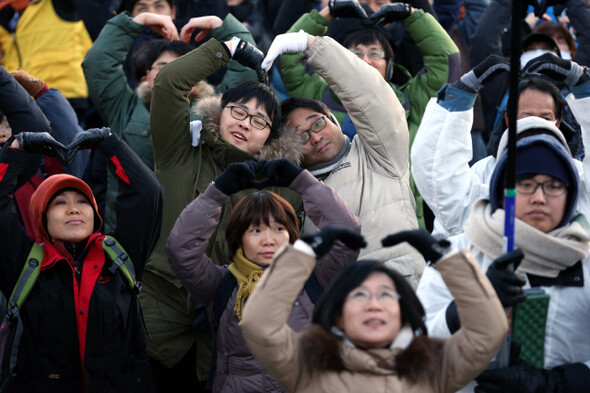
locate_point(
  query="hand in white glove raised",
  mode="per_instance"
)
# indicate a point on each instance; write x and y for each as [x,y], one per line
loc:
[286,43]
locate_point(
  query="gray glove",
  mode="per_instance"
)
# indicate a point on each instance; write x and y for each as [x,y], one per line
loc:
[558,69]
[483,73]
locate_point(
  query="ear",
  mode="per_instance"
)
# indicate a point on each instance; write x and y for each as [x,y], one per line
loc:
[173,13]
[389,70]
[558,122]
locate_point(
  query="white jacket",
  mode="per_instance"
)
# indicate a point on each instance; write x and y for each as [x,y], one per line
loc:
[440,164]
[374,178]
[566,332]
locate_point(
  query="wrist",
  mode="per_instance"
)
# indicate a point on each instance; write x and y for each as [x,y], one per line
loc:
[325,12]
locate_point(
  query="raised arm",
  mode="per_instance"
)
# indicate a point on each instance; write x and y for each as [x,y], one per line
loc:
[369,100]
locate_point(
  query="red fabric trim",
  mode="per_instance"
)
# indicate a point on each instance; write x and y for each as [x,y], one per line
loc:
[119,169]
[90,274]
[3,168]
[52,166]
[43,90]
[23,200]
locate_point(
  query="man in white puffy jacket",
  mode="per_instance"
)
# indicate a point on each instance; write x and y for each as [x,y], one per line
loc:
[442,148]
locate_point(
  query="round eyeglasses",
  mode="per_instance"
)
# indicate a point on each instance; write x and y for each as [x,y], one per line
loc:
[551,188]
[240,113]
[316,127]
[373,54]
[363,296]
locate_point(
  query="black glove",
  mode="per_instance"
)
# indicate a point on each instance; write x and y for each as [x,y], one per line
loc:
[346,9]
[524,378]
[556,68]
[506,283]
[391,13]
[236,177]
[250,56]
[280,173]
[483,73]
[322,242]
[431,248]
[88,139]
[42,143]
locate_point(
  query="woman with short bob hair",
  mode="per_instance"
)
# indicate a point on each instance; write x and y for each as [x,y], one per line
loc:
[259,225]
[367,332]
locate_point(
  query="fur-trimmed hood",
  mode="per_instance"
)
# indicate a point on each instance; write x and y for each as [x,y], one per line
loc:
[200,91]
[286,144]
[325,351]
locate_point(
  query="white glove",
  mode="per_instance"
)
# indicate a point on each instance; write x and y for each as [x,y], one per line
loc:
[285,43]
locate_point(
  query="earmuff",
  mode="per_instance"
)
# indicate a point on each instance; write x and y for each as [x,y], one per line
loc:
[334,120]
[389,70]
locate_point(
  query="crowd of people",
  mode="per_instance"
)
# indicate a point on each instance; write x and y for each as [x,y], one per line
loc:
[293,196]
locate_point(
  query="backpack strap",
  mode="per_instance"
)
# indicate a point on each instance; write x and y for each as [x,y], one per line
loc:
[313,288]
[121,261]
[26,280]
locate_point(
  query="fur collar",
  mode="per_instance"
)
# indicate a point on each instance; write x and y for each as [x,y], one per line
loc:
[325,351]
[285,145]
[200,91]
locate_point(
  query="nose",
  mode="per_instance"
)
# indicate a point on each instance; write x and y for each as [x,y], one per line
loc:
[539,196]
[365,58]
[315,137]
[374,303]
[245,123]
[268,239]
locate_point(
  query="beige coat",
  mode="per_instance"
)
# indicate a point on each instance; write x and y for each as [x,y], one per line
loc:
[374,177]
[426,365]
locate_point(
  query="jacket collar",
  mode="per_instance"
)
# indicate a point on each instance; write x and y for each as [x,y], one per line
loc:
[51,254]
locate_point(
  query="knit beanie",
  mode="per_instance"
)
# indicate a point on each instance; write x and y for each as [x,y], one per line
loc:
[538,154]
[53,185]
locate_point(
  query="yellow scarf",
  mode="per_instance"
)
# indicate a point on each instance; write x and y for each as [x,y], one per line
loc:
[247,275]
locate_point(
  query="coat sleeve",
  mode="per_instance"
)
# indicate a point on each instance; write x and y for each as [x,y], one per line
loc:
[103,69]
[138,205]
[264,320]
[440,163]
[236,72]
[578,11]
[579,102]
[324,207]
[442,62]
[20,109]
[169,115]
[483,322]
[372,105]
[14,242]
[64,126]
[299,80]
[187,245]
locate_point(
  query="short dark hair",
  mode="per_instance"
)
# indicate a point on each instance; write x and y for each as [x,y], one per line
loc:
[542,85]
[367,37]
[157,47]
[256,208]
[129,4]
[329,307]
[291,104]
[553,29]
[265,97]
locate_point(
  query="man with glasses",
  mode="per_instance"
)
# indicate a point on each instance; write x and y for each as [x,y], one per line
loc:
[242,124]
[371,171]
[441,62]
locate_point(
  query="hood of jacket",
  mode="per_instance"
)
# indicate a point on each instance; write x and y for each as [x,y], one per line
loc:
[200,90]
[416,362]
[286,144]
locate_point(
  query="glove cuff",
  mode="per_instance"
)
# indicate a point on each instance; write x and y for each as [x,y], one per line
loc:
[471,82]
[235,41]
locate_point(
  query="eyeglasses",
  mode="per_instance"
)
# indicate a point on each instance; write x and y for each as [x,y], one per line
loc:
[316,127]
[372,54]
[256,121]
[551,188]
[363,296]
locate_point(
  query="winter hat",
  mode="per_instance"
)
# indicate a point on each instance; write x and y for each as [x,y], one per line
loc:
[538,154]
[47,190]
[533,123]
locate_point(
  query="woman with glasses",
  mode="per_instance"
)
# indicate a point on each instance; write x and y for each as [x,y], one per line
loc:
[368,332]
[259,225]
[241,124]
[555,243]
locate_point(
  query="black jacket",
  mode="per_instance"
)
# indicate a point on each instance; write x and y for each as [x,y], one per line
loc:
[103,315]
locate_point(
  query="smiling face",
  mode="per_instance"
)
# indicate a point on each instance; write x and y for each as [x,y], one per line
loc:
[260,242]
[373,321]
[241,133]
[539,210]
[322,146]
[70,217]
